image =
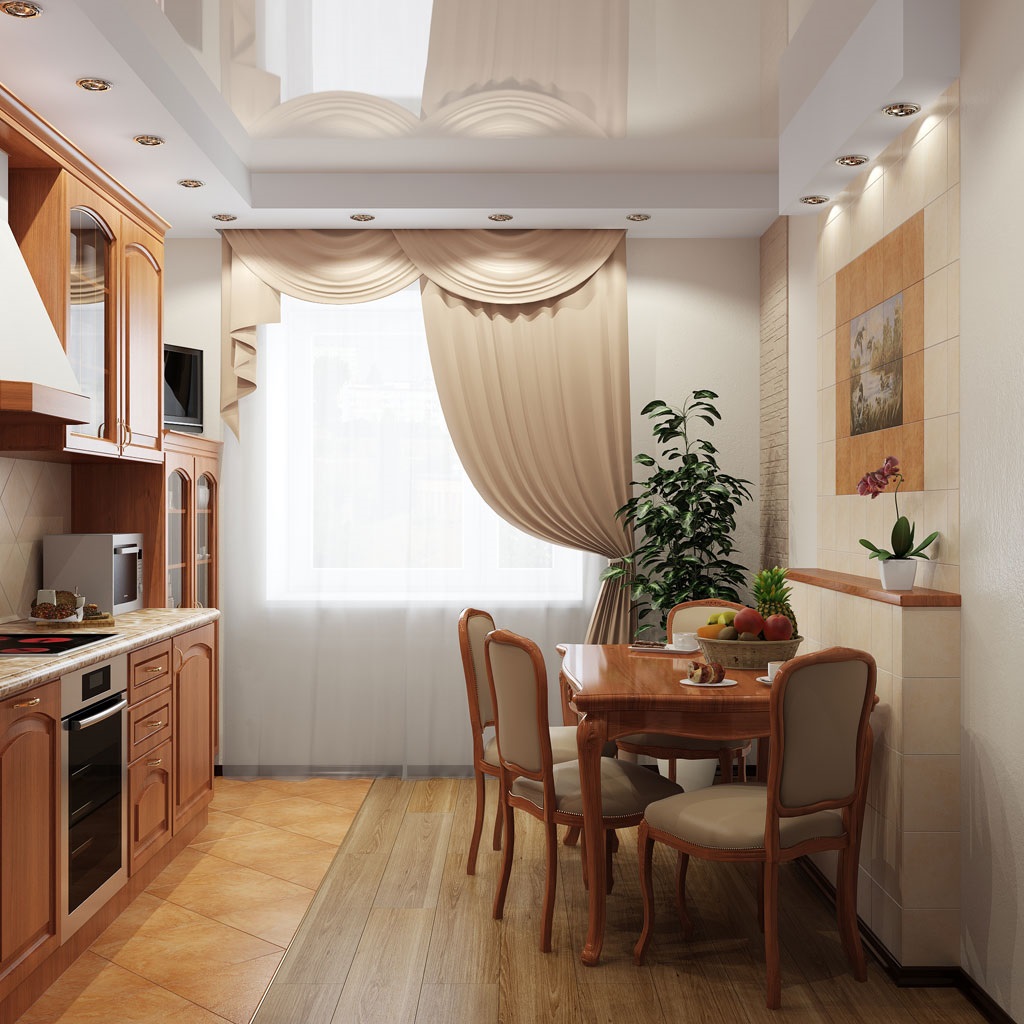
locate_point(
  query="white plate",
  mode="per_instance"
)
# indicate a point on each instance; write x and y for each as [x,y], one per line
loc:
[707,686]
[765,680]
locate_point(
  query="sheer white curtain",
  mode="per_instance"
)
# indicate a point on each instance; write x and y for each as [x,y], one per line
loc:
[351,541]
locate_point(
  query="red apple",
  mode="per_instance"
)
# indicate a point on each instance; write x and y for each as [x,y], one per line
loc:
[777,627]
[748,620]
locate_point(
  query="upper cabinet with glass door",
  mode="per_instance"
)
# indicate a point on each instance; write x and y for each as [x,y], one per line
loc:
[99,273]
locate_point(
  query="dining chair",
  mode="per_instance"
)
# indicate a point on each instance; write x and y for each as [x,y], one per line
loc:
[474,625]
[530,780]
[686,617]
[814,800]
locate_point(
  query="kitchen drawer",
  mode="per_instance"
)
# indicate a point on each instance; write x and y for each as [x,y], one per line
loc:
[150,805]
[149,671]
[149,723]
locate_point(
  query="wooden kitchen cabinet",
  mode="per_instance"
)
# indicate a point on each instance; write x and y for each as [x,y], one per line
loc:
[194,661]
[192,489]
[99,272]
[29,795]
[150,803]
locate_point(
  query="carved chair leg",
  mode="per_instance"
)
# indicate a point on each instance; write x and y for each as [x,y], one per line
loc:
[684,916]
[672,769]
[614,836]
[725,765]
[572,834]
[760,895]
[506,861]
[609,843]
[498,818]
[550,883]
[478,823]
[771,935]
[645,854]
[741,762]
[846,905]
[583,860]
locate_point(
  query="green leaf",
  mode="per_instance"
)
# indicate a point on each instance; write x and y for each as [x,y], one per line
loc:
[651,407]
[901,538]
[918,551]
[644,460]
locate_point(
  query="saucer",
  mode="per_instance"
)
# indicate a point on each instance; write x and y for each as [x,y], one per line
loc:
[765,680]
[682,650]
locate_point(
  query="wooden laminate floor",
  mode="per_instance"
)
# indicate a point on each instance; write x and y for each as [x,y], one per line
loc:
[399,934]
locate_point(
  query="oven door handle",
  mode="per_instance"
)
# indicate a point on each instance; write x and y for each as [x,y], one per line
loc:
[84,723]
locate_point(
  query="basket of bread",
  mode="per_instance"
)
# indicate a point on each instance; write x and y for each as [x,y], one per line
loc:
[57,606]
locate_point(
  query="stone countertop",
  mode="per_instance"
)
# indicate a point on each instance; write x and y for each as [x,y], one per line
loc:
[130,631]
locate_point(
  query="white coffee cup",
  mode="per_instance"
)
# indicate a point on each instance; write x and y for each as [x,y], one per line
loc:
[684,641]
[773,667]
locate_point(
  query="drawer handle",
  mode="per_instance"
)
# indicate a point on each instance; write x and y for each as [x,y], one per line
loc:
[30,703]
[154,725]
[155,669]
[155,764]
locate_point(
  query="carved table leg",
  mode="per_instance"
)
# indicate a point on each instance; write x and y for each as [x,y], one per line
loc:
[590,737]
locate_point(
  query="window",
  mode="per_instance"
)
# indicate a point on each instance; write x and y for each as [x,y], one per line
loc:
[367,499]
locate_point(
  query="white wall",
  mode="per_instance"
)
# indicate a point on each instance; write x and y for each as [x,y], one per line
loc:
[803,391]
[192,269]
[3,186]
[694,322]
[991,498]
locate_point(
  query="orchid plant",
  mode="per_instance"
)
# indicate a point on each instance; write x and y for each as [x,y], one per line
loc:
[874,483]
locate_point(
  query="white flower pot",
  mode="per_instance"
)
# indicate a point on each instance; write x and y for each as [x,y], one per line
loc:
[898,573]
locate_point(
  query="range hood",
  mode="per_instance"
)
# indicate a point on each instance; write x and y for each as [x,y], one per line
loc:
[36,379]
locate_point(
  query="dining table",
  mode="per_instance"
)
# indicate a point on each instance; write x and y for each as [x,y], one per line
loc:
[616,690]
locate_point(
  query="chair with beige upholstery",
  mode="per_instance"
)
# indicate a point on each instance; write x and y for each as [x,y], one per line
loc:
[532,782]
[685,618]
[817,785]
[474,625]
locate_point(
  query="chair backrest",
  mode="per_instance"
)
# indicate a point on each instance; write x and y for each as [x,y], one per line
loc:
[519,693]
[474,625]
[687,616]
[820,734]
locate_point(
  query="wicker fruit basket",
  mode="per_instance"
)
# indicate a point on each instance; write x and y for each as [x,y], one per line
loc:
[748,653]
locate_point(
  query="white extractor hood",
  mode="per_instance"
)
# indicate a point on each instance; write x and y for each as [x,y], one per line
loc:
[36,379]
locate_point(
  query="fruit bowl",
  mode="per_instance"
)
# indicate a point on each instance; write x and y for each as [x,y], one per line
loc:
[748,653]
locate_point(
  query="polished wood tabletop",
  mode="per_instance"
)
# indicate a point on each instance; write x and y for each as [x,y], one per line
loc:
[618,691]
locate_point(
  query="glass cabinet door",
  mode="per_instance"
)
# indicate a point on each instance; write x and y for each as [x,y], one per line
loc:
[206,503]
[177,539]
[90,316]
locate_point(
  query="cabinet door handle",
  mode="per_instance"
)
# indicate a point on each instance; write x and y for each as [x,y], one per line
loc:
[155,764]
[128,433]
[154,669]
[155,725]
[30,703]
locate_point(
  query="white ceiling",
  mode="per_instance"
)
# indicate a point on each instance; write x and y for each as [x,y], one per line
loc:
[701,153]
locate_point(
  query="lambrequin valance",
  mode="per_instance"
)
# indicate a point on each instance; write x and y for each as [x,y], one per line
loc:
[528,345]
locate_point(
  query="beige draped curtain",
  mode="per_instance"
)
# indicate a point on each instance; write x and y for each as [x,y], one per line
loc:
[528,344]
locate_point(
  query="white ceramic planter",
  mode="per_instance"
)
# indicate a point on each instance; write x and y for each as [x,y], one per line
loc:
[898,573]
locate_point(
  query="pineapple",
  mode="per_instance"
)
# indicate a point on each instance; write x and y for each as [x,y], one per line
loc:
[772,595]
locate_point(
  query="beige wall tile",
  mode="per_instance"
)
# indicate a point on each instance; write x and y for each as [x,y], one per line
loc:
[931,792]
[885,786]
[827,467]
[931,642]
[953,450]
[867,222]
[881,634]
[936,240]
[867,838]
[934,517]
[953,375]
[953,148]
[887,855]
[864,896]
[828,618]
[951,541]
[827,414]
[936,308]
[931,716]
[827,523]
[893,204]
[936,454]
[935,162]
[953,224]
[952,300]
[827,304]
[936,380]
[913,180]
[886,920]
[885,717]
[947,577]
[930,870]
[931,938]
[827,364]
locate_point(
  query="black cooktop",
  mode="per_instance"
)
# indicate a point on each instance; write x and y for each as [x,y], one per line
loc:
[47,643]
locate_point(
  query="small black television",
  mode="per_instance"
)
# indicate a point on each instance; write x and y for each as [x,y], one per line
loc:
[183,389]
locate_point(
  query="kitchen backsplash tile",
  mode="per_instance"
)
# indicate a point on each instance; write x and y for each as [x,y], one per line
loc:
[35,500]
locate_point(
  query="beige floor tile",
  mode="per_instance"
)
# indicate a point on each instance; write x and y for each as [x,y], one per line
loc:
[347,793]
[223,825]
[231,990]
[275,921]
[286,855]
[326,822]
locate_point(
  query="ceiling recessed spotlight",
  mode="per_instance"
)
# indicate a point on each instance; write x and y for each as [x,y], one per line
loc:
[638,217]
[851,160]
[501,218]
[814,200]
[149,140]
[18,9]
[94,84]
[902,109]
[225,217]
[363,218]
[191,183]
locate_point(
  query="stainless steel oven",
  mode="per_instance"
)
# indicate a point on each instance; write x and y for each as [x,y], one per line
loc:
[94,784]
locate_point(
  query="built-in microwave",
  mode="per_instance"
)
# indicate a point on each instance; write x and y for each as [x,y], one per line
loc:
[106,568]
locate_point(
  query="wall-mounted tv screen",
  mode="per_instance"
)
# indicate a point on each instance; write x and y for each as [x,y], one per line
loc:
[183,388]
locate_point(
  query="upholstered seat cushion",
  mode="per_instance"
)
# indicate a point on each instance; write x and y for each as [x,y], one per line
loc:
[733,817]
[563,746]
[657,739]
[626,789]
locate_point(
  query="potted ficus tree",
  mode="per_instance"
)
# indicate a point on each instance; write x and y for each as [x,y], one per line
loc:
[683,515]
